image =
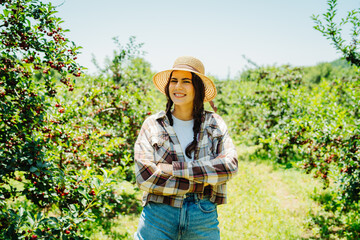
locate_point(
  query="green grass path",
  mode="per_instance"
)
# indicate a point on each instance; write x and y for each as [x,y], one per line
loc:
[267,203]
[264,202]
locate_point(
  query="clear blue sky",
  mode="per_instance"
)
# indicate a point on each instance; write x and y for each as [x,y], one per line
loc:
[217,32]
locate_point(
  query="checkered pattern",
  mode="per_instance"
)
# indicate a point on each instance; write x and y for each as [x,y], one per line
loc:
[215,161]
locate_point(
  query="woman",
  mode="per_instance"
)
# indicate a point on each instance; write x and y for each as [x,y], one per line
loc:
[183,158]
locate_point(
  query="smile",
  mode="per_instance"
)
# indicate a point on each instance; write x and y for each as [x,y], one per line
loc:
[179,95]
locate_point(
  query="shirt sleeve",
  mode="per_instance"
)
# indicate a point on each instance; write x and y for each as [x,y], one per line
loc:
[149,177]
[214,170]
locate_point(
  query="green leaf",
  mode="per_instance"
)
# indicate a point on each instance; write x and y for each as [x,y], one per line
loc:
[83,202]
[6,12]
[33,169]
[30,220]
[96,182]
[82,192]
[54,219]
[39,216]
[104,172]
[101,178]
[72,208]
[44,220]
[21,211]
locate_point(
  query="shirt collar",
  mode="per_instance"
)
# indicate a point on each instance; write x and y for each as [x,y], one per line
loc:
[160,115]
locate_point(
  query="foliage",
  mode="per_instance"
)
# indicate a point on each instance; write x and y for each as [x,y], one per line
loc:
[32,41]
[66,149]
[333,31]
[330,223]
[119,66]
[299,122]
[62,146]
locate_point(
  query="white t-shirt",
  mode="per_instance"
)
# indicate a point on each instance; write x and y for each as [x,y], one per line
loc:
[185,134]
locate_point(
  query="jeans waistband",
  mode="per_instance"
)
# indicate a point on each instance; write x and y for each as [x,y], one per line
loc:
[191,197]
[194,197]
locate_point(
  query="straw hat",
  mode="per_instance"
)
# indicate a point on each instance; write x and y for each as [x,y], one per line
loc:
[190,64]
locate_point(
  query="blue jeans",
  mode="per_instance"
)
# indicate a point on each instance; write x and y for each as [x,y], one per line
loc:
[197,219]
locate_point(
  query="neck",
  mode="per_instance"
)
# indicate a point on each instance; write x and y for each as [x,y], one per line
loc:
[182,113]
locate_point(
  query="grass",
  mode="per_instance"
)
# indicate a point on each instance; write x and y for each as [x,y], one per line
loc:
[267,203]
[264,202]
[123,227]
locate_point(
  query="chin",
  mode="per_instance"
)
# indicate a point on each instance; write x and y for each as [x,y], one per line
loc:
[179,103]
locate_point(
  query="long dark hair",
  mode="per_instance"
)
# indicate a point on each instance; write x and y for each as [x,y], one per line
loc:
[198,109]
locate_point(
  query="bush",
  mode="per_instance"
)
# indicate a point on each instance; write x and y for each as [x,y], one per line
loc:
[62,146]
[300,123]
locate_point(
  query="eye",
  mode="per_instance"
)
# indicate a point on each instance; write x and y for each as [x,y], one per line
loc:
[173,80]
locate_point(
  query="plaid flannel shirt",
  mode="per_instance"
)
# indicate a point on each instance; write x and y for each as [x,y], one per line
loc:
[215,161]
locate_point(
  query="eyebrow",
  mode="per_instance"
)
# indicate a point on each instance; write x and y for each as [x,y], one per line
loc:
[181,79]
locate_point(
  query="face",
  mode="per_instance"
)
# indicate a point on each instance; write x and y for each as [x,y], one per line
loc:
[181,89]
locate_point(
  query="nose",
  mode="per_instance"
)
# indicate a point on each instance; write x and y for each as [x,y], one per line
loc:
[178,85]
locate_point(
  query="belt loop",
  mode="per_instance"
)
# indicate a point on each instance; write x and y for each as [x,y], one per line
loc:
[196,198]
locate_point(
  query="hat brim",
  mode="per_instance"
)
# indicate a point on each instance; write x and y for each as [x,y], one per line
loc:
[161,79]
